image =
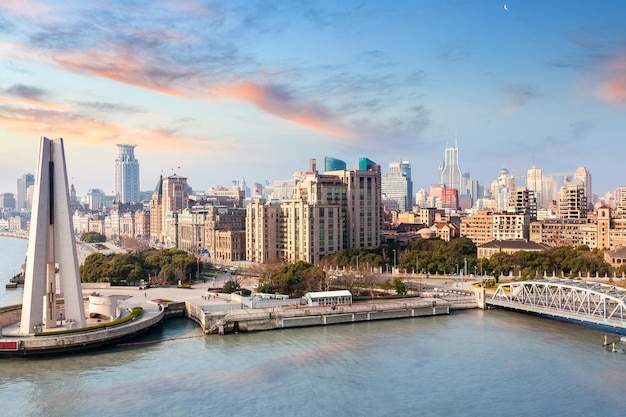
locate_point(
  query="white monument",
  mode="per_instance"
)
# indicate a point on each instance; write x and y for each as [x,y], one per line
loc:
[51,261]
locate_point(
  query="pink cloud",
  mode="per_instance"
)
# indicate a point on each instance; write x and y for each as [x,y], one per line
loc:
[31,9]
[91,131]
[19,101]
[613,88]
[279,103]
[121,63]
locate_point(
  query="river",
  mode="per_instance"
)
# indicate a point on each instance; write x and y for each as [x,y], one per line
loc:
[470,363]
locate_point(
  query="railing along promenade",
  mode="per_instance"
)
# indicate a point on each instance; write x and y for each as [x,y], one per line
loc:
[12,233]
[589,302]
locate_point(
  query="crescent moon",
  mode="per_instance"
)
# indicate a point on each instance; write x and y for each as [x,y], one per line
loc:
[506,8]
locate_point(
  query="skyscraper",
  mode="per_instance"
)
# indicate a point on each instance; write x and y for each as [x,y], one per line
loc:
[449,171]
[582,174]
[572,200]
[534,182]
[397,184]
[327,213]
[127,175]
[27,180]
[333,164]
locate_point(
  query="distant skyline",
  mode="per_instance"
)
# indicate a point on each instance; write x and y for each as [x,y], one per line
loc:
[238,89]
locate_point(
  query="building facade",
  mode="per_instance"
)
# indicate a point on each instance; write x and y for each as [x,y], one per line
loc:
[23,185]
[126,185]
[572,200]
[170,197]
[265,233]
[478,227]
[565,232]
[327,213]
[449,171]
[333,164]
[397,185]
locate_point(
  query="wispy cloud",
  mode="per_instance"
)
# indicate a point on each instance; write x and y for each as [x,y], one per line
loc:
[612,87]
[397,132]
[25,91]
[84,129]
[28,96]
[454,52]
[170,51]
[518,95]
[102,107]
[30,9]
[277,100]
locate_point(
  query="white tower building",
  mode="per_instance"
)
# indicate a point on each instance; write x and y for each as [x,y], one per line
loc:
[127,175]
[51,261]
[449,171]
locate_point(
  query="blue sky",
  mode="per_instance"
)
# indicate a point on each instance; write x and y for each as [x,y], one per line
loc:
[254,89]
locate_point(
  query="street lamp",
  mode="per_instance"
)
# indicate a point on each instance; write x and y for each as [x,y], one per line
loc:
[394,261]
[198,261]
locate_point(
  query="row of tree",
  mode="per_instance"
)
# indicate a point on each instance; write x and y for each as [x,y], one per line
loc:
[166,266]
[93,237]
[459,256]
[432,256]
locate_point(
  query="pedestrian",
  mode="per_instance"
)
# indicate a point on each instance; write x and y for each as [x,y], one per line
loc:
[145,294]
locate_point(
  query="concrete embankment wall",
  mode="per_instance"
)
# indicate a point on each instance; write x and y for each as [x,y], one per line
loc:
[176,310]
[34,345]
[281,318]
[10,316]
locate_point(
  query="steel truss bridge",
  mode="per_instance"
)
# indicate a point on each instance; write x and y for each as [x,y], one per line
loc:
[589,302]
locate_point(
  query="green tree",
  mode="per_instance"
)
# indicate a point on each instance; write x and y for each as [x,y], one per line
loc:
[500,264]
[92,269]
[399,286]
[231,286]
[92,237]
[292,279]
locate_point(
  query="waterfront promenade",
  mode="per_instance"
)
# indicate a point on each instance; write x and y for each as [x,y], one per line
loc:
[215,313]
[223,313]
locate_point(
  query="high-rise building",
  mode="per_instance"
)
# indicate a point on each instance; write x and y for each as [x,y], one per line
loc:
[126,187]
[23,184]
[621,203]
[328,212]
[333,164]
[449,171]
[7,201]
[534,182]
[450,198]
[572,200]
[522,200]
[582,174]
[397,185]
[95,198]
[170,197]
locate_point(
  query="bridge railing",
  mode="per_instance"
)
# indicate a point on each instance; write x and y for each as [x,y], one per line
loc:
[566,298]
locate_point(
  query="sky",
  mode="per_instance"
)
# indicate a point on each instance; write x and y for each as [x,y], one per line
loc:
[223,90]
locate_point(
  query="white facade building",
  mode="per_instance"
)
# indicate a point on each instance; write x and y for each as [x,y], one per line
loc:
[127,175]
